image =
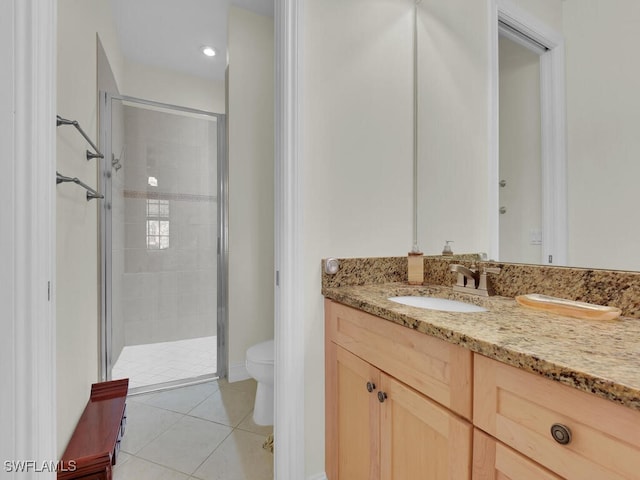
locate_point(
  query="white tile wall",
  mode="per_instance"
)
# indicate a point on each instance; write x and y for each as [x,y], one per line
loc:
[169,294]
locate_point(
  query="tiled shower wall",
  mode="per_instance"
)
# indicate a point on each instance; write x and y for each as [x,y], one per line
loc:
[169,279]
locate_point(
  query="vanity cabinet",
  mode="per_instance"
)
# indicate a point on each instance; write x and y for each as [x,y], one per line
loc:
[395,399]
[594,438]
[402,405]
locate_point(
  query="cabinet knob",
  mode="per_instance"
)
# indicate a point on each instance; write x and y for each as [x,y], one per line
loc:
[561,433]
[382,397]
[371,387]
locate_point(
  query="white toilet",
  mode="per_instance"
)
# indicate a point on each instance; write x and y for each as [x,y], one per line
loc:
[259,364]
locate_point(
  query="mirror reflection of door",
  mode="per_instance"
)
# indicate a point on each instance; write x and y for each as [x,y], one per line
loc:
[520,166]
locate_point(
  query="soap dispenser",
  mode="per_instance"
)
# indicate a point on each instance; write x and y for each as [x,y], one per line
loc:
[446,250]
[415,266]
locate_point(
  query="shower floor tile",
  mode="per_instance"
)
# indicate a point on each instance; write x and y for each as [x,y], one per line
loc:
[155,363]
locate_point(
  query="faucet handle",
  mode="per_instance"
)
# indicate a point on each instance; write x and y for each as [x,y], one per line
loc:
[486,270]
[483,286]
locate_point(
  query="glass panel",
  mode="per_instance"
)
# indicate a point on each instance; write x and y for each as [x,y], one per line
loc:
[153,227]
[164,209]
[152,243]
[152,208]
[164,236]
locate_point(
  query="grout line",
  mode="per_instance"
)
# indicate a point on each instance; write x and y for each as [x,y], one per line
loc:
[158,435]
[181,417]
[214,450]
[158,464]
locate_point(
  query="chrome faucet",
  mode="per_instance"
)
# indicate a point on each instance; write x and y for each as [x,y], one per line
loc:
[470,280]
[466,277]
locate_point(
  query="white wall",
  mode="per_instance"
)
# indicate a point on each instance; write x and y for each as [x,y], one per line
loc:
[169,293]
[251,182]
[167,86]
[77,255]
[356,159]
[549,11]
[603,74]
[453,132]
[520,152]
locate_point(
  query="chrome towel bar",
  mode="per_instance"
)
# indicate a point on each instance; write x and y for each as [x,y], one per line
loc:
[90,155]
[91,193]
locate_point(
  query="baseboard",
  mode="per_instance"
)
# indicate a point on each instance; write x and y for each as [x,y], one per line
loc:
[318,476]
[238,372]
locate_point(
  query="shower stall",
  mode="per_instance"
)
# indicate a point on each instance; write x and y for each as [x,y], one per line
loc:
[163,243]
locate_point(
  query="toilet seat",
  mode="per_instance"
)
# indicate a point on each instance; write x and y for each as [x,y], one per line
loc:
[262,353]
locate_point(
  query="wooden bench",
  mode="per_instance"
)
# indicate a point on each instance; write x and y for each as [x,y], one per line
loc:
[94,445]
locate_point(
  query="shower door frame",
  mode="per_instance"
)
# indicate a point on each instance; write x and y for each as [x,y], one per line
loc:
[105,240]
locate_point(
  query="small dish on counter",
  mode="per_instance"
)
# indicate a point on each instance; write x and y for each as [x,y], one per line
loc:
[569,308]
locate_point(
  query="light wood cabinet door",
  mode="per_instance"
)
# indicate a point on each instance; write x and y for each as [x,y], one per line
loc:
[419,439]
[493,460]
[438,369]
[353,425]
[534,415]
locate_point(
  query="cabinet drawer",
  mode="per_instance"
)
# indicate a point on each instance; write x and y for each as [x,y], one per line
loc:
[520,408]
[493,460]
[438,369]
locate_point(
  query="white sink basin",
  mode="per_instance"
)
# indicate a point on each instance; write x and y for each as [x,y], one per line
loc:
[433,303]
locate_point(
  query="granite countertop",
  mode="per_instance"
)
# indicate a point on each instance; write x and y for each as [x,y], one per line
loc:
[599,357]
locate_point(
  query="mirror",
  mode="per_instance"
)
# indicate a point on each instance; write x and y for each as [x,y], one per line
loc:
[459,184]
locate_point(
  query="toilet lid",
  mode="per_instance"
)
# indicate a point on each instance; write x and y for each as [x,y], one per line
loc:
[262,353]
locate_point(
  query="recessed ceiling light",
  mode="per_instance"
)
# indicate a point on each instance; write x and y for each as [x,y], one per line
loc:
[208,51]
[153,181]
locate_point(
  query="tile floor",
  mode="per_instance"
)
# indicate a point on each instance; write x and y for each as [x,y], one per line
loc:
[203,431]
[157,363]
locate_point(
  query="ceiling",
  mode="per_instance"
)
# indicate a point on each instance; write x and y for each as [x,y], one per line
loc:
[169,33]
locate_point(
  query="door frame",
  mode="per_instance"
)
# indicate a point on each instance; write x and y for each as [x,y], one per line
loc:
[27,238]
[222,168]
[290,321]
[31,433]
[553,130]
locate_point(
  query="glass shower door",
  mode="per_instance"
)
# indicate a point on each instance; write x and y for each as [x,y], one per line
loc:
[162,228]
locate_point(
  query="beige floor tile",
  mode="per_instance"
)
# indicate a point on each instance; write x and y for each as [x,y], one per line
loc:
[249,425]
[184,399]
[139,469]
[145,423]
[122,458]
[240,457]
[227,406]
[248,386]
[186,444]
[142,398]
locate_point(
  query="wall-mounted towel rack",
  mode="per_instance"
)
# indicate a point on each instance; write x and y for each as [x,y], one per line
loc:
[91,193]
[90,155]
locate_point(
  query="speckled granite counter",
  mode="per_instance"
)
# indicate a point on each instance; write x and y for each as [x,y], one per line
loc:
[599,357]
